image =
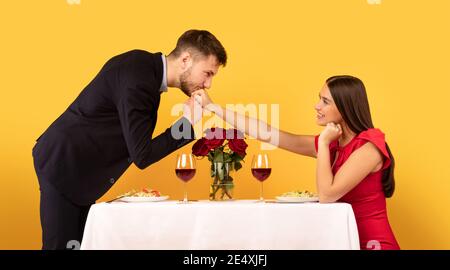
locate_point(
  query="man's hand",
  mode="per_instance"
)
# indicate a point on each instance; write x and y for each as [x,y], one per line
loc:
[192,109]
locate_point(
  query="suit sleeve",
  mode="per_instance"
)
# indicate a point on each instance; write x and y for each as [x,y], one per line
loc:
[137,109]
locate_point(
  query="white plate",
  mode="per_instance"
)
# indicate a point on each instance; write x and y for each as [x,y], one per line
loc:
[296,199]
[144,199]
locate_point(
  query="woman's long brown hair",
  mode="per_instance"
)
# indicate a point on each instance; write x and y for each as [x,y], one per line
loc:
[350,97]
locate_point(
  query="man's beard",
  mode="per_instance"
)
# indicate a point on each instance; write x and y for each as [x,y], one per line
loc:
[185,85]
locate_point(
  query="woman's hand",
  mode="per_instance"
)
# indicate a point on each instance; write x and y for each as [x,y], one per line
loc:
[202,97]
[192,109]
[331,133]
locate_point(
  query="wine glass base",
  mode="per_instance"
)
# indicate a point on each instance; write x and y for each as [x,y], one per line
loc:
[186,202]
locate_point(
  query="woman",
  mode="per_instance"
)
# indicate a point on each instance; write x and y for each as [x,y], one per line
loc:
[354,164]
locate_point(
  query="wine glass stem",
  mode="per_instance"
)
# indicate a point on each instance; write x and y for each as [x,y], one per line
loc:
[261,198]
[185,200]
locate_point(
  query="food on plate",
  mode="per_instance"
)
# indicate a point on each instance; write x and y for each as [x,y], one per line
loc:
[145,192]
[299,194]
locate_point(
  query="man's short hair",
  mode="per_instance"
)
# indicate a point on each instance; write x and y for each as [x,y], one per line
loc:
[202,42]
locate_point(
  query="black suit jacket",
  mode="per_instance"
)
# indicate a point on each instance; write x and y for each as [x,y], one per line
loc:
[108,127]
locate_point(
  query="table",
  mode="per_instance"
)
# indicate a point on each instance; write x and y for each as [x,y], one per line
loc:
[232,225]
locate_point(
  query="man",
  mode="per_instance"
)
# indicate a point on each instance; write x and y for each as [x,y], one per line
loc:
[110,125]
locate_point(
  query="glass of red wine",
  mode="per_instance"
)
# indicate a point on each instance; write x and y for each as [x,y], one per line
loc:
[261,170]
[185,170]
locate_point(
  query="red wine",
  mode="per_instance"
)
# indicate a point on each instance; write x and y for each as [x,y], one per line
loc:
[261,173]
[185,174]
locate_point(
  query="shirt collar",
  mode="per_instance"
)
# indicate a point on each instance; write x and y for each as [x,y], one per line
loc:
[163,87]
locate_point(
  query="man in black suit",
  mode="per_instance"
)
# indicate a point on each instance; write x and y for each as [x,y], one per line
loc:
[110,125]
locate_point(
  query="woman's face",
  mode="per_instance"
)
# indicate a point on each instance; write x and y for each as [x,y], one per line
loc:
[326,108]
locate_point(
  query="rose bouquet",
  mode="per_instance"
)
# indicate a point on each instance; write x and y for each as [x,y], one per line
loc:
[225,150]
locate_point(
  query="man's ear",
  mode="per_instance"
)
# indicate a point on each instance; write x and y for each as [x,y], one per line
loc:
[186,60]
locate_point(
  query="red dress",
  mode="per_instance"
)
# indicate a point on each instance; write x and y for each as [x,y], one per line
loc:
[367,198]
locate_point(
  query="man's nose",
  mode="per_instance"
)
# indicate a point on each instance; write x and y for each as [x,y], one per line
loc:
[207,84]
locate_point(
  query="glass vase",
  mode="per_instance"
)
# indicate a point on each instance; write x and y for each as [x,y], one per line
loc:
[222,184]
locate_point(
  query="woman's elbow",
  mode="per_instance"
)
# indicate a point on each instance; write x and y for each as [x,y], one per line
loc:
[324,198]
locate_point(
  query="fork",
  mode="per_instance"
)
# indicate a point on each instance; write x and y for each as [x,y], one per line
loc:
[115,199]
[120,197]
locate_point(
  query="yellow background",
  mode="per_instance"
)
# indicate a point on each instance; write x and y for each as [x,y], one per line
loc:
[279,52]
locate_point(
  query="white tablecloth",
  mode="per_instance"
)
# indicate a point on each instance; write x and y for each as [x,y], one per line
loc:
[233,225]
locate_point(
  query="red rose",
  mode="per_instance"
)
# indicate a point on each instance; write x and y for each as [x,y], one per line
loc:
[214,143]
[215,133]
[215,137]
[238,146]
[200,148]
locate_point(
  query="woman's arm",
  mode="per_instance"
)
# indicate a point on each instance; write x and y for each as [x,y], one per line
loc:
[361,163]
[300,144]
